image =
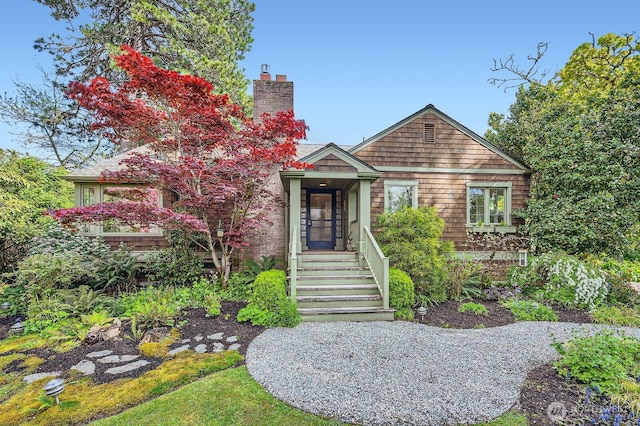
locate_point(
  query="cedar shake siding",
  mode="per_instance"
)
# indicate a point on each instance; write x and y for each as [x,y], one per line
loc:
[443,157]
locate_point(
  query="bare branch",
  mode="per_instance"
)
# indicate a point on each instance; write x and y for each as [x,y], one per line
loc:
[521,77]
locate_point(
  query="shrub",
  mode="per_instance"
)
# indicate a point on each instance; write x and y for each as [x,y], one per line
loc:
[401,293]
[564,279]
[476,308]
[106,268]
[617,315]
[176,266]
[464,279]
[525,310]
[411,238]
[602,360]
[269,305]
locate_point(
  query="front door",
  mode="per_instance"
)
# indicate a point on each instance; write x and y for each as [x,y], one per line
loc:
[321,219]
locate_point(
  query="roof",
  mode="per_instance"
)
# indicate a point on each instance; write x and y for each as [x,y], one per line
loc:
[432,109]
[93,172]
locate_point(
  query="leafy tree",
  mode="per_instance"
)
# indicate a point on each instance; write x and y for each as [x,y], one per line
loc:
[580,133]
[28,187]
[198,145]
[55,126]
[202,37]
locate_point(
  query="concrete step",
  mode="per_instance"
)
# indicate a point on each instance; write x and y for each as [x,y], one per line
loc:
[339,301]
[337,289]
[346,314]
[333,271]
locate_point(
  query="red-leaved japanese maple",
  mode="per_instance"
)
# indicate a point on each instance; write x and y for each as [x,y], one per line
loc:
[197,145]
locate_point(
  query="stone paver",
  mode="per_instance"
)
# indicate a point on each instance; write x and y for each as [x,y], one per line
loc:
[116,359]
[99,354]
[198,338]
[234,347]
[201,348]
[215,336]
[127,367]
[178,349]
[232,339]
[37,376]
[85,366]
[217,347]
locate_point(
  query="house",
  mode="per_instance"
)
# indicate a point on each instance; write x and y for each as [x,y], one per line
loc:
[324,230]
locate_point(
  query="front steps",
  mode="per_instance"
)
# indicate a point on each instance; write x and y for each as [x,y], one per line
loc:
[332,286]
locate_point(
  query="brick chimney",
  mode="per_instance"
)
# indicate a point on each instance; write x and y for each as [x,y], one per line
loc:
[271,96]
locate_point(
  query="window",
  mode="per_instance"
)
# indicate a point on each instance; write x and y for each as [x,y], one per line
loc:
[429,135]
[95,194]
[400,194]
[489,204]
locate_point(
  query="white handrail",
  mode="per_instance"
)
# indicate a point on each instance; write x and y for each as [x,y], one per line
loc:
[378,263]
[293,261]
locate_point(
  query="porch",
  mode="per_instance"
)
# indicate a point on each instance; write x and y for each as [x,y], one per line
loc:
[337,272]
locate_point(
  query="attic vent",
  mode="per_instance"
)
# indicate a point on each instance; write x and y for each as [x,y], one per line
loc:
[429,133]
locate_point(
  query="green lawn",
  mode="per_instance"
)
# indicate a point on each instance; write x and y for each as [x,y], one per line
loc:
[230,397]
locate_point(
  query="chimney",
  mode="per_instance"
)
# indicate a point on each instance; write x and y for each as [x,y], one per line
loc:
[271,96]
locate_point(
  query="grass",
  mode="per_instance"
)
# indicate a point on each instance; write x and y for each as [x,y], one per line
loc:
[230,397]
[233,397]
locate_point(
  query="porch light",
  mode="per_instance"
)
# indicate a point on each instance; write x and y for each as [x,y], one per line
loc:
[323,184]
[522,257]
[54,388]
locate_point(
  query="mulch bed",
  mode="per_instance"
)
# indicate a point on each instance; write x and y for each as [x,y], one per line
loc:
[542,387]
[196,323]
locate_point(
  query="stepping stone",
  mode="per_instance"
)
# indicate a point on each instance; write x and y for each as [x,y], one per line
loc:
[85,366]
[198,338]
[218,347]
[127,367]
[234,347]
[232,339]
[215,336]
[115,359]
[99,354]
[178,350]
[201,348]
[37,376]
[183,341]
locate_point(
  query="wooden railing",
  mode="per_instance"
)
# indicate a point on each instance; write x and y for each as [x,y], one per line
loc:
[378,263]
[294,245]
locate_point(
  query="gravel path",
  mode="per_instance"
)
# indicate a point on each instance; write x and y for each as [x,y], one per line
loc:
[403,373]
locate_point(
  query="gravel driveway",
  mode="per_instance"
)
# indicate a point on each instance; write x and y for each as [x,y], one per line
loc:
[403,373]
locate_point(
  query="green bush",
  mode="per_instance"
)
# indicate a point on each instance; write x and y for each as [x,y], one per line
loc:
[476,308]
[411,238]
[464,279]
[617,315]
[106,269]
[558,277]
[603,359]
[526,310]
[269,305]
[175,266]
[401,293]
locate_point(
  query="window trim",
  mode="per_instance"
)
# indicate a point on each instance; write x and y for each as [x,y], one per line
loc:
[405,183]
[97,228]
[487,226]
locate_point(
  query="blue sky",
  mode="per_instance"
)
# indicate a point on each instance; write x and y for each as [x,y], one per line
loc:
[358,67]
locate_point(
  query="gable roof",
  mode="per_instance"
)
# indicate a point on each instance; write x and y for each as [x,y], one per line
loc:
[444,117]
[334,150]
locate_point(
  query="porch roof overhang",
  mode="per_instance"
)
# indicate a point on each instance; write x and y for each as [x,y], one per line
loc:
[343,168]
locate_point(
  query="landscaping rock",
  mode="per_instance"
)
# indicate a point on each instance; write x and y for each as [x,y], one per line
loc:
[178,349]
[101,334]
[232,339]
[156,335]
[37,376]
[116,359]
[99,354]
[201,348]
[127,367]
[215,336]
[85,366]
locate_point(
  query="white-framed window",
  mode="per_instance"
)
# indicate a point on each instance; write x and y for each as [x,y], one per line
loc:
[399,194]
[88,194]
[489,203]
